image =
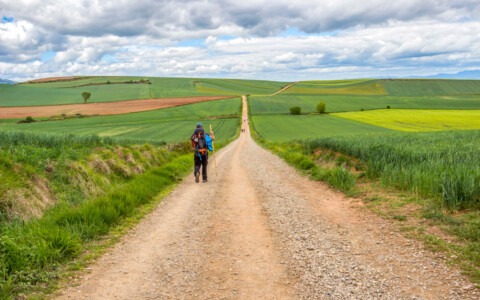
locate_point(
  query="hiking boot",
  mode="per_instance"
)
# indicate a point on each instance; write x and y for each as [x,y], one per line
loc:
[205,180]
[197,177]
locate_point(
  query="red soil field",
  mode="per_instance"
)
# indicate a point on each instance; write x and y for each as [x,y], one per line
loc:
[104,108]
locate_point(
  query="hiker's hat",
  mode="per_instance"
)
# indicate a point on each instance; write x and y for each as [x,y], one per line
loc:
[199,125]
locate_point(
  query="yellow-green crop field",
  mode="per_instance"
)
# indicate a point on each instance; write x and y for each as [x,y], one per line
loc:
[417,119]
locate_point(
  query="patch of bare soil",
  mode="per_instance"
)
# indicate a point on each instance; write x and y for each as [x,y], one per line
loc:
[55,79]
[103,108]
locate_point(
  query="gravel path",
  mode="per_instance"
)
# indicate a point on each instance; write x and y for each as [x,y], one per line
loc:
[258,230]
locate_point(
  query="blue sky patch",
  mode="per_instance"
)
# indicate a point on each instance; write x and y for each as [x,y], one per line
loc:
[7,19]
[108,58]
[192,43]
[226,37]
[46,56]
[293,31]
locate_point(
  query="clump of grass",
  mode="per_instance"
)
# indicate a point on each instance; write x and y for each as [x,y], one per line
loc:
[400,217]
[337,177]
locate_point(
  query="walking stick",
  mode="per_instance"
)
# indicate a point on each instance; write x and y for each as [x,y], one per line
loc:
[213,147]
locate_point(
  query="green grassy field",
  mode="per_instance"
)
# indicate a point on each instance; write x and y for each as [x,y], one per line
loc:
[417,120]
[148,131]
[287,128]
[168,125]
[28,95]
[280,104]
[429,87]
[435,164]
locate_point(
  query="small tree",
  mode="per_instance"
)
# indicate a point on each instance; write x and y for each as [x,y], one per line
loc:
[86,96]
[295,110]
[321,107]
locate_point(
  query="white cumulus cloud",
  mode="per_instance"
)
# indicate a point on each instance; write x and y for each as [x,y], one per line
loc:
[280,39]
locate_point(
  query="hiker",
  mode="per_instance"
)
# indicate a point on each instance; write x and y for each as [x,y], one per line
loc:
[201,142]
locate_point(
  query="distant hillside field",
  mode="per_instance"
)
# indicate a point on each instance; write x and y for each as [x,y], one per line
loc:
[33,95]
[431,87]
[168,125]
[280,104]
[354,88]
[269,113]
[415,105]
[109,89]
[239,87]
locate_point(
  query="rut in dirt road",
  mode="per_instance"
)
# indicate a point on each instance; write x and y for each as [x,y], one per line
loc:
[261,231]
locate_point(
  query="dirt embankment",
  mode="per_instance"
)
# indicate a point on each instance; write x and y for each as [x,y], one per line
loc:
[103,108]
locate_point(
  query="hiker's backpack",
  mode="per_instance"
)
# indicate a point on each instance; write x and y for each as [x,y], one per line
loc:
[198,142]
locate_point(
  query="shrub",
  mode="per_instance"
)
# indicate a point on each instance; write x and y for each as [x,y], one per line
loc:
[27,120]
[388,106]
[321,107]
[295,110]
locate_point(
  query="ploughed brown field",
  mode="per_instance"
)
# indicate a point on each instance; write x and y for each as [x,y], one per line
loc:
[104,108]
[53,79]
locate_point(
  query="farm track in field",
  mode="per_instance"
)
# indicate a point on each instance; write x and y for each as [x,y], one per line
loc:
[284,88]
[258,230]
[102,108]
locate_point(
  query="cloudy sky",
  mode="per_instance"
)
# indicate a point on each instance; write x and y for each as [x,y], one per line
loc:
[273,39]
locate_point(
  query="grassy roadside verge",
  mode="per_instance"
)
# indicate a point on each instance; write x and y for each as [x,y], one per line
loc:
[452,232]
[31,252]
[73,190]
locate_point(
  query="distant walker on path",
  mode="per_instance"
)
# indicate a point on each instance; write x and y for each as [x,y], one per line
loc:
[202,143]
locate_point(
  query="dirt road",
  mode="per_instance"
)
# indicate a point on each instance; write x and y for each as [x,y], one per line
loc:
[258,230]
[101,108]
[284,88]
